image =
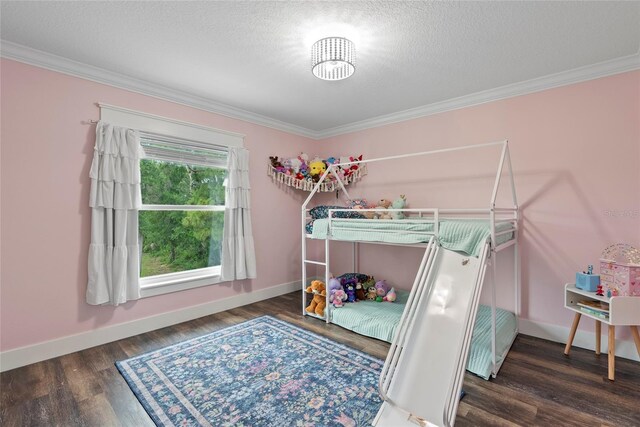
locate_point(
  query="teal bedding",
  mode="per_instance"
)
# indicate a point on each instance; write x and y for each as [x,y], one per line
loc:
[380,320]
[466,236]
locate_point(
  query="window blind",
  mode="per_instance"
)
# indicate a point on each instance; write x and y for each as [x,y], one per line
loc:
[160,147]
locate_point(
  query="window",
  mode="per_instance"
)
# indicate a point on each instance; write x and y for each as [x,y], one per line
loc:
[181,220]
[182,214]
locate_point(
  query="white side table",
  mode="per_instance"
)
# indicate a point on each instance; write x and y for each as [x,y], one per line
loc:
[623,311]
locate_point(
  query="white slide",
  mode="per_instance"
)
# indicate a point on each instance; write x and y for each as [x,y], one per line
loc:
[422,376]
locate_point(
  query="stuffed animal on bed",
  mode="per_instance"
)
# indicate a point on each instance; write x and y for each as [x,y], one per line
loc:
[390,296]
[382,288]
[339,297]
[371,293]
[399,203]
[382,214]
[318,303]
[334,285]
[361,204]
[350,289]
[360,295]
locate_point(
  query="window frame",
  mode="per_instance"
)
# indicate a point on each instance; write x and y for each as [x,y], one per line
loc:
[150,126]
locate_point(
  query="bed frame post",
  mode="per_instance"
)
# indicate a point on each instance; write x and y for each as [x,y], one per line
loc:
[494,271]
[516,247]
[304,258]
[327,310]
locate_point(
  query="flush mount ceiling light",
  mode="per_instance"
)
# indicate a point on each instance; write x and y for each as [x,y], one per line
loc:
[333,58]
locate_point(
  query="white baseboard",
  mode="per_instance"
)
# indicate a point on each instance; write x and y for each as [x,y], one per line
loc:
[583,339]
[22,356]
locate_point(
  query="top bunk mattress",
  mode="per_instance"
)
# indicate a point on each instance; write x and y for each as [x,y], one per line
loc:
[466,236]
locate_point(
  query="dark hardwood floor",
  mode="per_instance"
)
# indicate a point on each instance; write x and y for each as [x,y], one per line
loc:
[537,384]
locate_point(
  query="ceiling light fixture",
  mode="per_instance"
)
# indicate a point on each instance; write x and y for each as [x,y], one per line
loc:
[333,58]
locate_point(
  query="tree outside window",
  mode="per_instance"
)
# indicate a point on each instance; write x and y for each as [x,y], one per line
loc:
[182,217]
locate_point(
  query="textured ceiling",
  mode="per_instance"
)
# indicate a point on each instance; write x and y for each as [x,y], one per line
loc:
[255,56]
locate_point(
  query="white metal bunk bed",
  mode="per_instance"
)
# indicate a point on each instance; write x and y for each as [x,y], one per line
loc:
[433,225]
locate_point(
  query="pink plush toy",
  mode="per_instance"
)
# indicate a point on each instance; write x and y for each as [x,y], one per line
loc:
[391,295]
[334,285]
[339,296]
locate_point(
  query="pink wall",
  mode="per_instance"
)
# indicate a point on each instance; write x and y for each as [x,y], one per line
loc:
[575,151]
[576,156]
[46,155]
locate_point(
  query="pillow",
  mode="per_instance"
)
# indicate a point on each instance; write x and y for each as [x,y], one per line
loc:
[322,211]
[361,278]
[309,227]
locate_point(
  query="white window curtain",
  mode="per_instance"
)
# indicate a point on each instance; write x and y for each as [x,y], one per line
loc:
[114,200]
[238,251]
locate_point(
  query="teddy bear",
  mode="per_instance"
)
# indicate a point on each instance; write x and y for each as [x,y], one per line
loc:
[399,203]
[382,204]
[318,304]
[371,293]
[360,295]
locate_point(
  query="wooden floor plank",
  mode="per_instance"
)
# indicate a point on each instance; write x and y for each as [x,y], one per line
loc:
[537,386]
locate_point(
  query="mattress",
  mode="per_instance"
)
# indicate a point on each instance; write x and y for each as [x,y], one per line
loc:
[466,236]
[380,320]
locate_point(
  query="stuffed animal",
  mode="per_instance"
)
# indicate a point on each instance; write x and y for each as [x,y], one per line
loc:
[317,287]
[370,282]
[318,303]
[361,204]
[383,203]
[317,168]
[350,289]
[274,162]
[391,295]
[350,169]
[382,288]
[382,214]
[399,203]
[334,285]
[295,164]
[360,295]
[371,293]
[339,297]
[288,168]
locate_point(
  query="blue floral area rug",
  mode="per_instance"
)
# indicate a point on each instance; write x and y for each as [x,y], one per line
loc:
[264,372]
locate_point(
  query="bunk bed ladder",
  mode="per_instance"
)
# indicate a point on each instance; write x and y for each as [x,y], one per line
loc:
[422,376]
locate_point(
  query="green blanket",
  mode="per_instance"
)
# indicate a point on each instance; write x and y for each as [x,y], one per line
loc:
[466,236]
[380,320]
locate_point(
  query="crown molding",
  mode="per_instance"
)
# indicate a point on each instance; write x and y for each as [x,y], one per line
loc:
[63,65]
[57,63]
[577,75]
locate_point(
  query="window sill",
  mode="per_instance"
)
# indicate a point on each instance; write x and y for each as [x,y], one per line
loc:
[175,282]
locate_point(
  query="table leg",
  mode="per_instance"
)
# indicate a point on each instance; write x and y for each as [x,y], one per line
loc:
[572,334]
[636,337]
[598,333]
[612,352]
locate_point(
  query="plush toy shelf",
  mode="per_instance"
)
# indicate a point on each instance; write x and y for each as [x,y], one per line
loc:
[291,175]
